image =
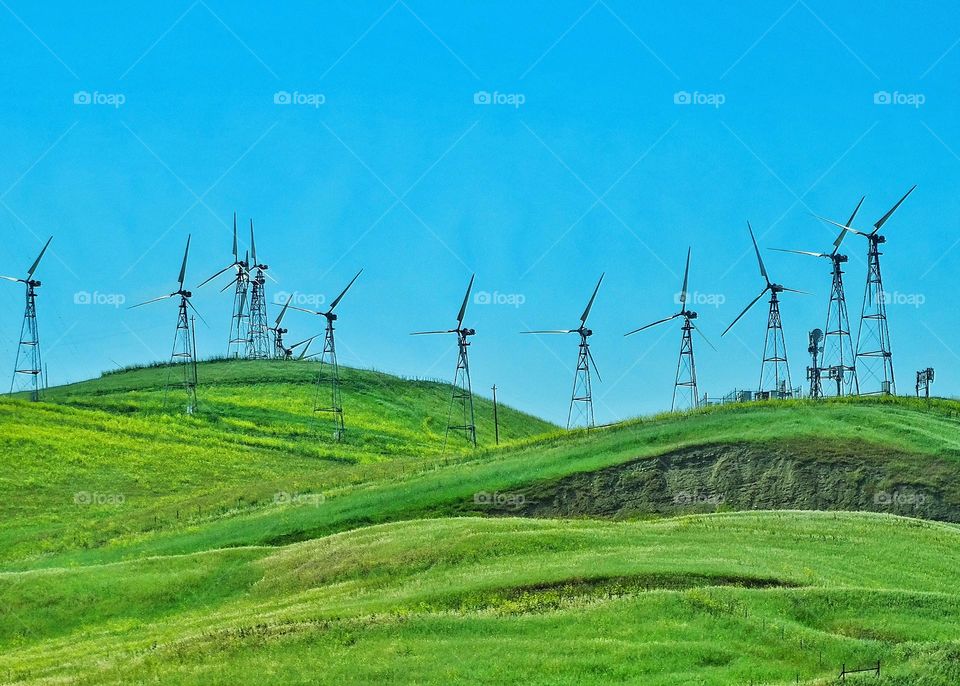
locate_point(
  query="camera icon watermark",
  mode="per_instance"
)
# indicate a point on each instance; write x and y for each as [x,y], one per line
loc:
[498,298]
[714,100]
[85,498]
[701,299]
[115,100]
[499,499]
[898,498]
[297,98]
[914,100]
[916,300]
[514,100]
[287,498]
[98,298]
[696,498]
[299,299]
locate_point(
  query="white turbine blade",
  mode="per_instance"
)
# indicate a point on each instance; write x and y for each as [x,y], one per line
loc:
[763,269]
[586,311]
[801,252]
[745,309]
[302,309]
[153,300]
[33,267]
[648,326]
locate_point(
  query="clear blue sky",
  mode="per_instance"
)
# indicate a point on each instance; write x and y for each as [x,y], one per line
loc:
[593,168]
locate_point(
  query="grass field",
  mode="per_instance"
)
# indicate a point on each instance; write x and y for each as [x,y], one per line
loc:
[714,599]
[242,544]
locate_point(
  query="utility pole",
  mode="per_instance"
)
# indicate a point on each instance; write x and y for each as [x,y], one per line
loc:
[496,421]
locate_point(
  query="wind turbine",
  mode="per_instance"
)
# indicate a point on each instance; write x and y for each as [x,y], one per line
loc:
[462,391]
[329,357]
[774,362]
[839,360]
[237,342]
[280,351]
[874,354]
[686,376]
[258,338]
[28,362]
[184,341]
[582,395]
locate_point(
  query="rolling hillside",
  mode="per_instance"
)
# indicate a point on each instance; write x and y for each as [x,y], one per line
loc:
[145,546]
[254,441]
[767,598]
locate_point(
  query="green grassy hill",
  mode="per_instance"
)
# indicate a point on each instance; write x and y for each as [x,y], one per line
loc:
[140,545]
[710,599]
[101,459]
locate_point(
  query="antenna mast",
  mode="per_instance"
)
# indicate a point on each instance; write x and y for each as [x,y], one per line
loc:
[815,372]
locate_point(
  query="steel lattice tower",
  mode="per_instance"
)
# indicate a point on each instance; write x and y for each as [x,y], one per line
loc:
[258,333]
[237,340]
[29,367]
[461,400]
[775,368]
[183,356]
[580,412]
[685,383]
[874,358]
[239,328]
[874,355]
[330,402]
[329,374]
[581,400]
[685,380]
[838,351]
[28,371]
[837,358]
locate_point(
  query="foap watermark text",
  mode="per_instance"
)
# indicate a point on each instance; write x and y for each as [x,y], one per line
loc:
[697,98]
[514,100]
[498,298]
